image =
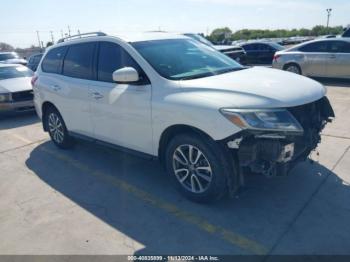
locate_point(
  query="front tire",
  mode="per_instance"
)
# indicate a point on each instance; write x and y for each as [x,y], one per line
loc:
[197,168]
[57,129]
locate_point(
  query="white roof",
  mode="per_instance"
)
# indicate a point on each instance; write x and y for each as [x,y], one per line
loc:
[149,36]
[131,38]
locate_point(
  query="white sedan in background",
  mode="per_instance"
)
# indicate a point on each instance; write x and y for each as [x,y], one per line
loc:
[16,93]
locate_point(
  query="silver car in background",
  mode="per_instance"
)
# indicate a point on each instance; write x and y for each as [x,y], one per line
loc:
[16,92]
[318,58]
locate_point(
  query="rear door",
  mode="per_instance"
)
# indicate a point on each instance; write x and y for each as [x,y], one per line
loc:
[265,54]
[73,91]
[121,113]
[251,53]
[315,58]
[338,64]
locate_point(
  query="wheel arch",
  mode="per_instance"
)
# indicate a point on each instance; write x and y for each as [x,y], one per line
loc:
[44,108]
[173,130]
[292,63]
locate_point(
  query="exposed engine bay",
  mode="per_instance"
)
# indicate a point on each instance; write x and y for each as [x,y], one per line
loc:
[275,153]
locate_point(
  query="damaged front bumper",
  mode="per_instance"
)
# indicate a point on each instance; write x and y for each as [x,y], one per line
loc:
[275,153]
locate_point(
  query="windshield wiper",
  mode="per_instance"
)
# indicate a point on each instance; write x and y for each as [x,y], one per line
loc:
[219,72]
[224,71]
[196,76]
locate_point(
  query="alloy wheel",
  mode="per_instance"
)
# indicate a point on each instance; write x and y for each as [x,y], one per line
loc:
[192,169]
[56,128]
[293,69]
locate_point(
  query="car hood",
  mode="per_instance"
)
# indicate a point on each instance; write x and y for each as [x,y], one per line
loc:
[16,61]
[256,87]
[15,85]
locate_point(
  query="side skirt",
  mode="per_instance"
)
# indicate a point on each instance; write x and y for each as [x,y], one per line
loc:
[113,146]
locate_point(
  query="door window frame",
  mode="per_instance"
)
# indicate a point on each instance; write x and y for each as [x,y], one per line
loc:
[144,78]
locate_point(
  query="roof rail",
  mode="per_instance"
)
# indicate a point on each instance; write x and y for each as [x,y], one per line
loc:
[80,36]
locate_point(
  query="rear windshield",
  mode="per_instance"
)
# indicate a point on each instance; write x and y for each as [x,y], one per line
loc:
[7,56]
[14,72]
[277,46]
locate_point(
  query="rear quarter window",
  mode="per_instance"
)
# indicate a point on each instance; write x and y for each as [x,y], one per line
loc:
[52,62]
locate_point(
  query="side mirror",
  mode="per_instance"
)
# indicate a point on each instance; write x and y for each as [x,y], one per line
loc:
[126,75]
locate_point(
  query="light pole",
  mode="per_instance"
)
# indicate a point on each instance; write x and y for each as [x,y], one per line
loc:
[329,11]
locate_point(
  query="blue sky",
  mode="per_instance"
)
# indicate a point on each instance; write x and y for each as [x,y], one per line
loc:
[21,18]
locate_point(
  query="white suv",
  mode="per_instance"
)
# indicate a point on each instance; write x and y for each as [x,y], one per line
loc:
[206,117]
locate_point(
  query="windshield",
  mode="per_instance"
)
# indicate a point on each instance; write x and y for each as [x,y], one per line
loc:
[7,56]
[14,72]
[200,39]
[181,59]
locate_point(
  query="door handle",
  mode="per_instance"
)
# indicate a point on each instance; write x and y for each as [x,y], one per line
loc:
[96,95]
[332,56]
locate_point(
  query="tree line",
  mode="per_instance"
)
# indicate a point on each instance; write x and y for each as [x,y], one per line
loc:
[225,33]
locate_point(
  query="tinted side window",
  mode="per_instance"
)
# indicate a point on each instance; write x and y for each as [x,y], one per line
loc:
[109,60]
[339,47]
[37,58]
[52,62]
[254,47]
[78,61]
[248,47]
[314,47]
[113,57]
[264,47]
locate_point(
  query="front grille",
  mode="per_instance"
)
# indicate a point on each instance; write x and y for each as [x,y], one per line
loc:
[22,96]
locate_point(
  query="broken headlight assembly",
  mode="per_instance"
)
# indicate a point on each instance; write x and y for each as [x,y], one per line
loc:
[278,120]
[5,97]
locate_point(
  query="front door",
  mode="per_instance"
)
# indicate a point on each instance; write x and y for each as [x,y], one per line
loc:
[120,113]
[316,57]
[338,64]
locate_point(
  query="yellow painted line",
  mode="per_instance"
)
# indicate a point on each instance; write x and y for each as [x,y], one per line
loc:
[23,139]
[231,237]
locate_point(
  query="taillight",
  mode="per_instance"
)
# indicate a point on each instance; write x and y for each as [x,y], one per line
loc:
[34,78]
[275,57]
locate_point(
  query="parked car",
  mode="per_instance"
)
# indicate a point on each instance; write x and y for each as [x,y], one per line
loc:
[203,115]
[296,40]
[33,61]
[318,58]
[11,58]
[346,32]
[327,36]
[260,53]
[235,52]
[16,93]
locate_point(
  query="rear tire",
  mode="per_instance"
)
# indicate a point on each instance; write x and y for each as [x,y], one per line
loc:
[198,167]
[57,129]
[293,68]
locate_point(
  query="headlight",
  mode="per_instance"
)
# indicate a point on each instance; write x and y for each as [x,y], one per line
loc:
[5,97]
[264,119]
